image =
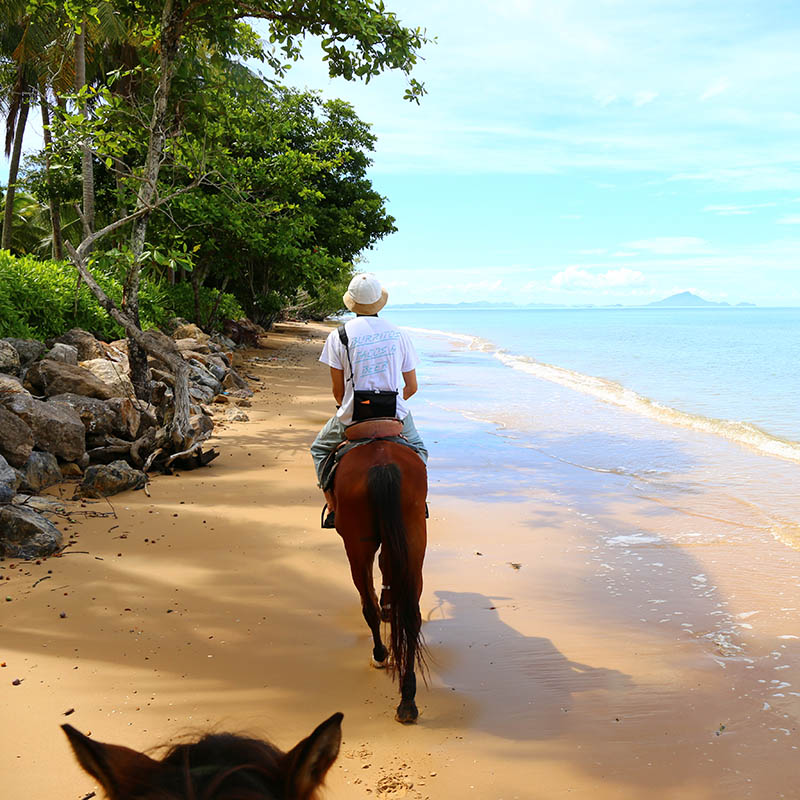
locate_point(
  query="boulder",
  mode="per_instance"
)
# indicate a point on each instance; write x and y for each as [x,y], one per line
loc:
[96,415]
[66,353]
[201,393]
[190,331]
[126,417]
[9,358]
[9,386]
[9,477]
[235,414]
[223,341]
[201,423]
[56,427]
[69,469]
[26,534]
[192,344]
[16,438]
[53,377]
[87,345]
[102,480]
[28,350]
[40,471]
[234,381]
[113,374]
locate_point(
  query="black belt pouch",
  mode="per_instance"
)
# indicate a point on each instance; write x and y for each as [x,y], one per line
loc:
[371,404]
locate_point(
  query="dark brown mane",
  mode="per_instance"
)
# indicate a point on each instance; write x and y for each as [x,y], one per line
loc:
[224,767]
[219,766]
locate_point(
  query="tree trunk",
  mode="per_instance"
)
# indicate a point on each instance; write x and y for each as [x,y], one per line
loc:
[87,171]
[171,28]
[156,343]
[55,205]
[212,316]
[13,171]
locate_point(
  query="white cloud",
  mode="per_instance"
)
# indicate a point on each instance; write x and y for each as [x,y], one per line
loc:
[790,219]
[670,245]
[737,210]
[643,98]
[576,277]
[717,87]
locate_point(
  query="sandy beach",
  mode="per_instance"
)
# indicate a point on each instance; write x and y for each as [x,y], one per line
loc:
[560,664]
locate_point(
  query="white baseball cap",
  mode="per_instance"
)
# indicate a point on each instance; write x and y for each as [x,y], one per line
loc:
[365,295]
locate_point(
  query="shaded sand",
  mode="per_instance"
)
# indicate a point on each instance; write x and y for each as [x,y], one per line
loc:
[572,652]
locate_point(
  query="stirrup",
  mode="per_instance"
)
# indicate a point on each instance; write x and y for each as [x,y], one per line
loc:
[329,521]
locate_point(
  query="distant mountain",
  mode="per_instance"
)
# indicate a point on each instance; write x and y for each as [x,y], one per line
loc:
[684,300]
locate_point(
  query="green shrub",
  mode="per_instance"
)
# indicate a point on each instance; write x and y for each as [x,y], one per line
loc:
[38,300]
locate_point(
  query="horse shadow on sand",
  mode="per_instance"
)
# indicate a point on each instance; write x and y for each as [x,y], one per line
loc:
[500,681]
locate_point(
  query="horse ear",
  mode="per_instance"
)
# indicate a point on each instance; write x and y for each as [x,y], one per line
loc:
[117,768]
[310,759]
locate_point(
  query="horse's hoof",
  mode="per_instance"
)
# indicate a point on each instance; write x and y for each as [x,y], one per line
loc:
[373,662]
[406,713]
[386,613]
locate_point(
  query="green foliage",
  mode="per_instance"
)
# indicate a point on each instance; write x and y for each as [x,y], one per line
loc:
[38,300]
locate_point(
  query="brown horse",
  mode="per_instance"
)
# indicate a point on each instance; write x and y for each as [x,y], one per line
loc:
[380,490]
[218,767]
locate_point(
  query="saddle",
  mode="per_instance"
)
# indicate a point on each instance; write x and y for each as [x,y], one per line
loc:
[360,433]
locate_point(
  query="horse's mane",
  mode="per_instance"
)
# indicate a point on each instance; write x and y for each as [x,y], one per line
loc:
[222,766]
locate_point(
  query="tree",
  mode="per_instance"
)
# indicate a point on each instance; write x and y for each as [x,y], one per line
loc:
[359,38]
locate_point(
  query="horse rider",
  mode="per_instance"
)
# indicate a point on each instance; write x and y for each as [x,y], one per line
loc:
[371,359]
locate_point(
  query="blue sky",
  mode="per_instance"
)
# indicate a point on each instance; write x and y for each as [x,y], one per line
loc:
[589,151]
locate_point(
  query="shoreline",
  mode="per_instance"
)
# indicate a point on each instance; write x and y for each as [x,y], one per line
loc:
[559,660]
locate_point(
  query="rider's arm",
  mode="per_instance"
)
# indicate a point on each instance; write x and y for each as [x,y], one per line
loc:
[410,388]
[337,384]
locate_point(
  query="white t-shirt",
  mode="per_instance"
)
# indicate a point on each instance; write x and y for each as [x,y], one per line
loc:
[380,353]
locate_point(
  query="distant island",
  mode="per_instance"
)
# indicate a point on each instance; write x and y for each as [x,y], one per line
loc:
[679,300]
[689,300]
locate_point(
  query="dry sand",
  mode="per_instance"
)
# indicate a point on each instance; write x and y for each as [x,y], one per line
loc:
[218,602]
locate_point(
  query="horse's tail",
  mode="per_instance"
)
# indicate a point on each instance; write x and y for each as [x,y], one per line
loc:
[384,484]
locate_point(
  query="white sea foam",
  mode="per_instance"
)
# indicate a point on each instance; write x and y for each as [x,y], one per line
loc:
[616,394]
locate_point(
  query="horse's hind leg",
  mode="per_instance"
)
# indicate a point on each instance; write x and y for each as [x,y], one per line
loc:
[361,565]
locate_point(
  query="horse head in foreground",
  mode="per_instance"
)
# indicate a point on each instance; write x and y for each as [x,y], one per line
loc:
[380,489]
[217,767]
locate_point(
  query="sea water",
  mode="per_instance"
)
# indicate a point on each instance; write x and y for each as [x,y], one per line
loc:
[689,410]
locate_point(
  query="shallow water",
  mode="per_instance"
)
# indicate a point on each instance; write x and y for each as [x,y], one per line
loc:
[675,548]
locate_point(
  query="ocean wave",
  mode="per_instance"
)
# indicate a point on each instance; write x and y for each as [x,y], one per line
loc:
[616,394]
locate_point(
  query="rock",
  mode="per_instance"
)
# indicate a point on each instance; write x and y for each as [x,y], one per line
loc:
[53,377]
[9,358]
[217,369]
[95,414]
[69,469]
[190,331]
[9,477]
[201,423]
[113,374]
[6,493]
[56,427]
[28,350]
[175,323]
[45,505]
[243,331]
[10,385]
[192,344]
[26,534]
[117,348]
[223,341]
[235,381]
[126,417]
[235,414]
[66,353]
[88,346]
[201,393]
[240,394]
[102,480]
[222,399]
[16,438]
[40,471]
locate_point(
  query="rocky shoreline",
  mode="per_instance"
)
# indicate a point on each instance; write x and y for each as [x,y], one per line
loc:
[68,412]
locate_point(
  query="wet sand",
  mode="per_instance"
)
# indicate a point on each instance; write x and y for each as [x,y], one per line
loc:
[570,652]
